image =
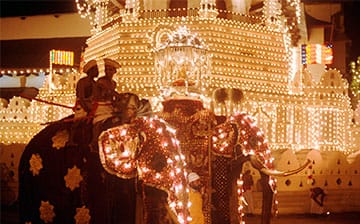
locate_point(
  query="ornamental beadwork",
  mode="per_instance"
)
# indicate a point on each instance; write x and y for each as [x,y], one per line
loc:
[147,148]
[82,215]
[35,164]
[203,123]
[118,150]
[47,213]
[60,139]
[73,178]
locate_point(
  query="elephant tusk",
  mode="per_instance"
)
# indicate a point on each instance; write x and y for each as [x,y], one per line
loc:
[277,173]
[282,173]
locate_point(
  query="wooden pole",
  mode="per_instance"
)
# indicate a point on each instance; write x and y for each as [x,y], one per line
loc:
[47,102]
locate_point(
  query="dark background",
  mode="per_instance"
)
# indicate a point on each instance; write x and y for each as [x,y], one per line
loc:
[35,7]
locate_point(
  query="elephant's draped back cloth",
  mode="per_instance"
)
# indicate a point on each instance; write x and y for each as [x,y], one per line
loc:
[147,148]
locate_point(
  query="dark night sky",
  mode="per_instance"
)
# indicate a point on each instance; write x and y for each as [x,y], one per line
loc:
[352,27]
[36,7]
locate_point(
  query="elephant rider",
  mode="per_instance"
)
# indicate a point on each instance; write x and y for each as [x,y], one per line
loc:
[84,94]
[84,90]
[104,96]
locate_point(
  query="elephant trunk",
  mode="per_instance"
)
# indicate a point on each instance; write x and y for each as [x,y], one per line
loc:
[258,164]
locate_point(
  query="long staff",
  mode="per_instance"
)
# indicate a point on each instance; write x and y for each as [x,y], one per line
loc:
[45,101]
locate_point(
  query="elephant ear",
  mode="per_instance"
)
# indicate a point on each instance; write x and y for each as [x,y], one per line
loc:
[240,130]
[251,138]
[118,149]
[160,154]
[224,139]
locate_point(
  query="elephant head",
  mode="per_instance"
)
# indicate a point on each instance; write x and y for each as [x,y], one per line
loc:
[239,135]
[240,140]
[147,148]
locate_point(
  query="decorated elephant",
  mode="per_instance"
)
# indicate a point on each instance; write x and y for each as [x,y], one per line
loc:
[215,147]
[138,175]
[147,149]
[236,141]
[61,182]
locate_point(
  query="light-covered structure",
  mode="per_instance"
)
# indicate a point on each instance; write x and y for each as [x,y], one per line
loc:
[258,54]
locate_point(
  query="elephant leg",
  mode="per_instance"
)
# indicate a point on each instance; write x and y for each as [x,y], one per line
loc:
[95,189]
[221,197]
[120,199]
[233,202]
[235,170]
[156,207]
[267,199]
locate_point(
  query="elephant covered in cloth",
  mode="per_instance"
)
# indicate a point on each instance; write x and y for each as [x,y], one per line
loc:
[216,147]
[147,148]
[66,183]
